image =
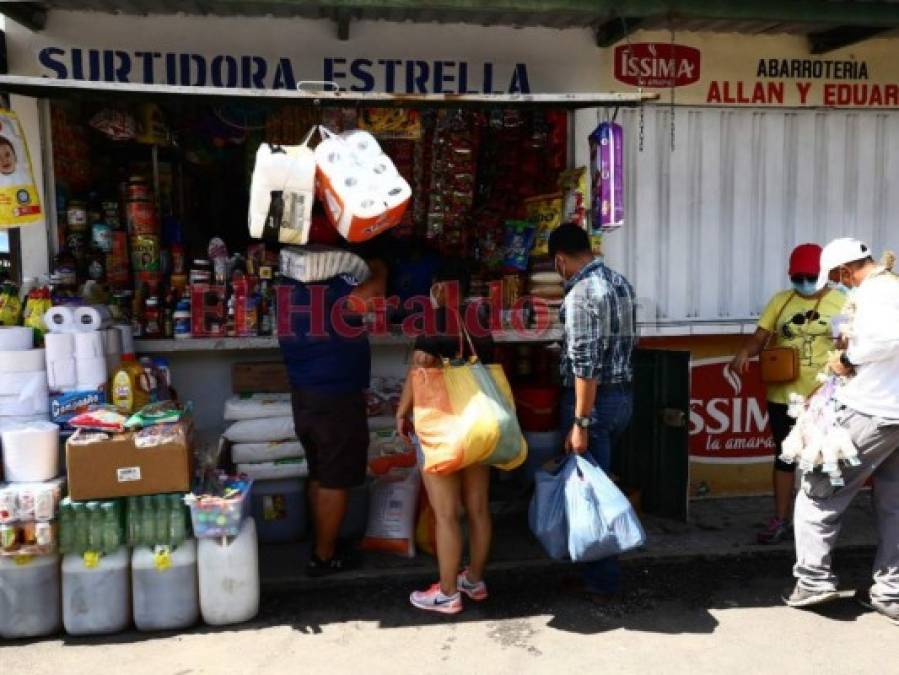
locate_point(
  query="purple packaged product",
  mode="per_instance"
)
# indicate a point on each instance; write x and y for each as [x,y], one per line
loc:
[607,176]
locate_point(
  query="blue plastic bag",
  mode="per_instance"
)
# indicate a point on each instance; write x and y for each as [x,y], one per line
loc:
[577,513]
[601,520]
[546,514]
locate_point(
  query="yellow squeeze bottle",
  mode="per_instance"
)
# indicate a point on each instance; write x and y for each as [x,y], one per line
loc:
[125,391]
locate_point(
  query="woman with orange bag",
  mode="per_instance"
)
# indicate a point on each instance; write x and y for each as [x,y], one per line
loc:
[448,493]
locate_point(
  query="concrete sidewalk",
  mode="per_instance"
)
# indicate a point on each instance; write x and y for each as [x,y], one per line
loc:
[718,528]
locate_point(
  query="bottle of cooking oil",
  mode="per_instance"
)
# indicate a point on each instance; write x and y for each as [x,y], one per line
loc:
[126,393]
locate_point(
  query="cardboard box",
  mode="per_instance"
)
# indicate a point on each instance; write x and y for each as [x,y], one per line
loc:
[117,467]
[262,377]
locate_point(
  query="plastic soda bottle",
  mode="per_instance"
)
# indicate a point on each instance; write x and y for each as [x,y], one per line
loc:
[66,526]
[147,522]
[79,542]
[132,521]
[112,537]
[95,527]
[162,519]
[177,521]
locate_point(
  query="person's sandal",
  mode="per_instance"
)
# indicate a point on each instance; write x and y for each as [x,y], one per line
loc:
[316,567]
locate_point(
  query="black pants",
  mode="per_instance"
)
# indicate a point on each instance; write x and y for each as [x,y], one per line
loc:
[781,425]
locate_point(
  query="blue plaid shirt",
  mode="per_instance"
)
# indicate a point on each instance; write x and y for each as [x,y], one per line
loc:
[600,326]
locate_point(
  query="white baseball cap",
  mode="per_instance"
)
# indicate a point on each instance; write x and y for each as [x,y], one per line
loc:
[840,252]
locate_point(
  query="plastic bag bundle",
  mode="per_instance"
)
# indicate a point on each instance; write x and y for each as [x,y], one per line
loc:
[578,513]
[359,186]
[607,176]
[817,440]
[282,192]
[318,263]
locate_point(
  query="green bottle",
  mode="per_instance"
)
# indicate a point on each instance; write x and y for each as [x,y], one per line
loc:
[147,522]
[162,519]
[112,536]
[79,542]
[177,521]
[132,521]
[66,527]
[95,527]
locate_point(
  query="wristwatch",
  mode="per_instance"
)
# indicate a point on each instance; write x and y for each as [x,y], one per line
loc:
[844,359]
[583,422]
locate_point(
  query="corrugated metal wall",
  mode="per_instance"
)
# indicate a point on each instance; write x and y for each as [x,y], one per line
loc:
[710,225]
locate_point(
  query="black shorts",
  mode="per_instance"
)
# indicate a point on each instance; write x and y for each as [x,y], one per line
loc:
[333,429]
[781,425]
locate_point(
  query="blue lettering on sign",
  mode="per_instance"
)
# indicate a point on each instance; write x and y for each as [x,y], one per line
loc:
[410,76]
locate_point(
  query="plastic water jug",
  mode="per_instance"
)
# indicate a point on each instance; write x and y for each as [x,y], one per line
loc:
[29,596]
[164,587]
[229,577]
[96,593]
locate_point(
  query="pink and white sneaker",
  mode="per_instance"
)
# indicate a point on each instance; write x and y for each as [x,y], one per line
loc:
[475,591]
[433,600]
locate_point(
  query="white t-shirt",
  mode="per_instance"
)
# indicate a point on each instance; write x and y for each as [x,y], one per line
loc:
[874,348]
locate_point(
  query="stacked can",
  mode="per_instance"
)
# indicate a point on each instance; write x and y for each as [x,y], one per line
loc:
[143,228]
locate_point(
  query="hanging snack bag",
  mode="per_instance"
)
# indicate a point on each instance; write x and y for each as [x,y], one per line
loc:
[575,196]
[607,176]
[282,192]
[518,242]
[545,211]
[359,186]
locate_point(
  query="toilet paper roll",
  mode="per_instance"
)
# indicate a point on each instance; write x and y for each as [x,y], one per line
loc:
[127,339]
[16,338]
[90,373]
[60,320]
[61,374]
[30,452]
[397,193]
[112,341]
[22,362]
[22,383]
[383,167]
[89,345]
[93,317]
[38,402]
[362,145]
[59,346]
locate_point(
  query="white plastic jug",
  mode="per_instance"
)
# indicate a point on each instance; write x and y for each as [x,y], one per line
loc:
[229,577]
[164,587]
[96,600]
[29,596]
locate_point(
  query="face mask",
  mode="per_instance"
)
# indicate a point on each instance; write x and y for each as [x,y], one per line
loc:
[838,286]
[806,288]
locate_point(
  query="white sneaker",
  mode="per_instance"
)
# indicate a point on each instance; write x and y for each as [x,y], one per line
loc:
[475,591]
[433,600]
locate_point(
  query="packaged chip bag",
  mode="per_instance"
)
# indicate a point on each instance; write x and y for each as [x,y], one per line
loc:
[575,187]
[518,242]
[545,211]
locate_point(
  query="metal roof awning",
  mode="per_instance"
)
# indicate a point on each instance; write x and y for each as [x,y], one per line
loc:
[42,87]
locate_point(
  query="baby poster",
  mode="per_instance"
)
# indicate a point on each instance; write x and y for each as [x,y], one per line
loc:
[19,201]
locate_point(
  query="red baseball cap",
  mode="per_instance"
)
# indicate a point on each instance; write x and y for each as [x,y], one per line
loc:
[805,259]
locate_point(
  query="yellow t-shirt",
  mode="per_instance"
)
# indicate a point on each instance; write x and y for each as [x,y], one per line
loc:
[808,330]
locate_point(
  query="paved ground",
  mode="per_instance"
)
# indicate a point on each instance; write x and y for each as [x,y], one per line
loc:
[719,616]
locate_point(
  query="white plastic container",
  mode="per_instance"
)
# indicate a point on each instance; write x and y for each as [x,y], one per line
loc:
[164,587]
[229,577]
[29,597]
[96,600]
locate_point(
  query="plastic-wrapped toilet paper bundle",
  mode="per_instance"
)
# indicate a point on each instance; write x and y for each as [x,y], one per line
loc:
[282,191]
[16,338]
[90,372]
[358,184]
[30,451]
[89,345]
[34,402]
[92,318]
[60,320]
[60,353]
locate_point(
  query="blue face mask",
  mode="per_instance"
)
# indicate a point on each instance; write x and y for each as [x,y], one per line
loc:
[838,286]
[806,288]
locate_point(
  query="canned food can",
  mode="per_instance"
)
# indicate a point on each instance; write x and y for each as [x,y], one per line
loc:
[7,505]
[8,537]
[44,503]
[141,217]
[43,534]
[25,510]
[101,236]
[145,253]
[139,189]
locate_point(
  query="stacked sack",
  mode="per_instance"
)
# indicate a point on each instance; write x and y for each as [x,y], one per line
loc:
[29,444]
[264,444]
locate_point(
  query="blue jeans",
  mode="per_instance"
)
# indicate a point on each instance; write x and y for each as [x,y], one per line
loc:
[611,415]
